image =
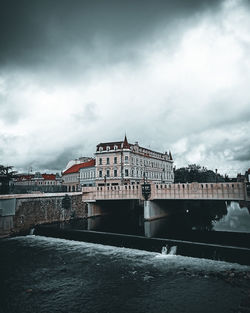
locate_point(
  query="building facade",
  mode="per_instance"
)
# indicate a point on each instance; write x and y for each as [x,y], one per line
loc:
[124,163]
[23,183]
[88,174]
[37,179]
[72,176]
[80,160]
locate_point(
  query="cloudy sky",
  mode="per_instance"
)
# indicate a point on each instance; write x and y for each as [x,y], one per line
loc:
[173,75]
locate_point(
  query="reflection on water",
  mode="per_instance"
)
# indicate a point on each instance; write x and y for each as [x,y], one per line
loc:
[208,222]
[155,227]
[236,220]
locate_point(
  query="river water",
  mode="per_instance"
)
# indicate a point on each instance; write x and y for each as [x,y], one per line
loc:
[40,274]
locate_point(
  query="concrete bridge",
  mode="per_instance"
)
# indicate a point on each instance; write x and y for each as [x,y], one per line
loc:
[21,211]
[193,191]
[152,207]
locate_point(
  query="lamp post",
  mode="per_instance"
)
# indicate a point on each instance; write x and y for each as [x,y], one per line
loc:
[162,175]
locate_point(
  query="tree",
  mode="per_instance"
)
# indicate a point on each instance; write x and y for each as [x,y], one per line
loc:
[196,173]
[6,174]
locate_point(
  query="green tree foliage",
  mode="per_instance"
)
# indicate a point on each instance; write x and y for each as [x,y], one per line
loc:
[196,173]
[6,174]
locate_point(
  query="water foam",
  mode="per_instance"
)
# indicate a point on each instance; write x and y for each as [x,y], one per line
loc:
[167,259]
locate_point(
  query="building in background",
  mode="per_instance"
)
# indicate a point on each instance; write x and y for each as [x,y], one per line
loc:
[247,175]
[77,161]
[23,183]
[241,178]
[71,176]
[88,174]
[125,163]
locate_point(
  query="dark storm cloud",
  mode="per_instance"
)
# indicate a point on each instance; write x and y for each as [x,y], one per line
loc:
[243,156]
[35,32]
[60,160]
[171,74]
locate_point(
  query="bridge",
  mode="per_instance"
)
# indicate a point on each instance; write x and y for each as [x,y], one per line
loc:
[154,192]
[194,191]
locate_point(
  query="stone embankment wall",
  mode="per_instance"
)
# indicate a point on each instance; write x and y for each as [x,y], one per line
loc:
[34,210]
[27,189]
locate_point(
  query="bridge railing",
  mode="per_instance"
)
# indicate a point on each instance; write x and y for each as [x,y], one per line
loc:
[206,191]
[112,192]
[202,191]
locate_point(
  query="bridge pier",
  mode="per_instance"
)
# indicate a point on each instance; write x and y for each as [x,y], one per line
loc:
[153,210]
[7,212]
[94,209]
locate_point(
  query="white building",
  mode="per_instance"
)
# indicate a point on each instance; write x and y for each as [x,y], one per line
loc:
[87,174]
[77,161]
[125,163]
[72,176]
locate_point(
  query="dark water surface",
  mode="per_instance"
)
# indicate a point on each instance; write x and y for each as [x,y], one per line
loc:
[211,222]
[41,274]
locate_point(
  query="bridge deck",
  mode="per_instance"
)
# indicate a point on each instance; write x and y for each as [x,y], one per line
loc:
[38,195]
[192,191]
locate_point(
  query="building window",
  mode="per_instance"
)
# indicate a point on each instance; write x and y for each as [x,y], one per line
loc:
[100,161]
[115,160]
[126,172]
[107,160]
[108,173]
[108,148]
[126,159]
[115,147]
[115,173]
[100,173]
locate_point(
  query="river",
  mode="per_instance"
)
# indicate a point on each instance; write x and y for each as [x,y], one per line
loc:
[43,275]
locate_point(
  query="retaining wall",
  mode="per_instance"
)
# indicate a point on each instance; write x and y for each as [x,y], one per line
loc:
[32,210]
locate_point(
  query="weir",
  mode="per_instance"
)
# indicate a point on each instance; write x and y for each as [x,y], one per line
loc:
[180,247]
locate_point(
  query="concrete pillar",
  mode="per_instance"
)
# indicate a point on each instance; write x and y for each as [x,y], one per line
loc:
[154,227]
[94,223]
[153,210]
[7,211]
[94,209]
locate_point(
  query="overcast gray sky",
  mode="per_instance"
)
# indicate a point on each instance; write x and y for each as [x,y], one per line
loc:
[173,75]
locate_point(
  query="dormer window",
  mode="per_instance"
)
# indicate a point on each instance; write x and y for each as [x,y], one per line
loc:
[115,147]
[101,149]
[108,148]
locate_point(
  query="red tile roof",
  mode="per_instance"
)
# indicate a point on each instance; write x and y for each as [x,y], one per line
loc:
[76,167]
[49,176]
[24,177]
